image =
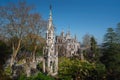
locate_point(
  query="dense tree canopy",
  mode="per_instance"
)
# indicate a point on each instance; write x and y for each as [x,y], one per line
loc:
[80,70]
[111,54]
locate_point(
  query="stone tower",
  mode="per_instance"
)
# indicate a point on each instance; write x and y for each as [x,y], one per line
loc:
[50,61]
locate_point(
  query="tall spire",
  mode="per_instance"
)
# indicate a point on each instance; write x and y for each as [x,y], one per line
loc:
[50,12]
[50,23]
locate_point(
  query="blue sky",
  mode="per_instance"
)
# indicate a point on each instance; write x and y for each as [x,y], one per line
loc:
[82,16]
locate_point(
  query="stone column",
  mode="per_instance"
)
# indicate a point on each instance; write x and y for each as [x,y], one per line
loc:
[43,65]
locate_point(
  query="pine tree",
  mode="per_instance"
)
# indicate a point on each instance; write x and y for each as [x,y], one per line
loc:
[94,49]
[111,54]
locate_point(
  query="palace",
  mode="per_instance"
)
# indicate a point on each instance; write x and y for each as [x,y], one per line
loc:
[57,46]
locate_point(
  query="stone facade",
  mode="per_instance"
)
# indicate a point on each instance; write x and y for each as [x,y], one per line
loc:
[67,46]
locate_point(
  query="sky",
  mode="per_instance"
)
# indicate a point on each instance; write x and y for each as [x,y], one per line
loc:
[79,16]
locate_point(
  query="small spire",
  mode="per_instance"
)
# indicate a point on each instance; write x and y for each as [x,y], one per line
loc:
[50,24]
[50,11]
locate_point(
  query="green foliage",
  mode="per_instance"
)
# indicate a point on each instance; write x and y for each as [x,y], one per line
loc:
[22,77]
[3,76]
[64,68]
[94,50]
[43,77]
[40,66]
[93,45]
[8,70]
[111,54]
[76,69]
[99,72]
[110,36]
[39,76]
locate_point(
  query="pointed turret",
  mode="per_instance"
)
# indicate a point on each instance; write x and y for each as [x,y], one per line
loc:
[50,22]
[50,29]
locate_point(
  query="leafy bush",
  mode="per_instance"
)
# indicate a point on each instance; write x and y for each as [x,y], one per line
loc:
[77,69]
[39,76]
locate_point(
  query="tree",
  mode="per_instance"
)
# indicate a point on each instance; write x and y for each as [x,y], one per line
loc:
[15,18]
[110,36]
[36,32]
[94,51]
[86,45]
[17,22]
[86,40]
[111,55]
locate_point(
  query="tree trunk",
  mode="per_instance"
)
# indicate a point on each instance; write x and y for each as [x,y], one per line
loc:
[15,51]
[34,53]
